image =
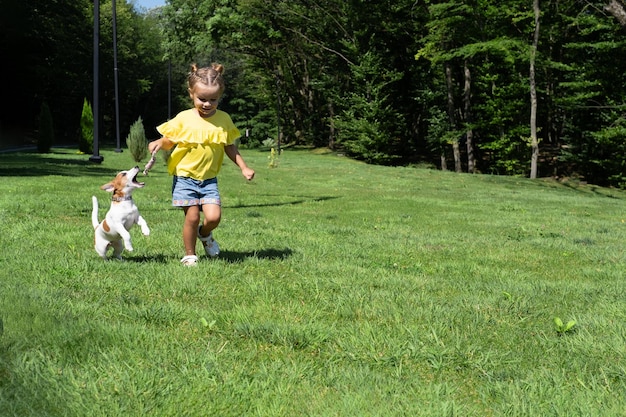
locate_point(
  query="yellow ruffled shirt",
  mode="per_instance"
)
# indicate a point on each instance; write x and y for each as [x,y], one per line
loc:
[200,142]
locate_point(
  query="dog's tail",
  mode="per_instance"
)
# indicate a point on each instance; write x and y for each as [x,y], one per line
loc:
[94,212]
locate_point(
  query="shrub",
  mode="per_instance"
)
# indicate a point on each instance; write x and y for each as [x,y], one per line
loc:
[273,158]
[85,142]
[136,141]
[45,138]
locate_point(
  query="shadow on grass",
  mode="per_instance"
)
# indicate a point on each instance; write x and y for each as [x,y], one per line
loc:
[158,258]
[590,188]
[579,187]
[301,200]
[268,254]
[226,256]
[23,164]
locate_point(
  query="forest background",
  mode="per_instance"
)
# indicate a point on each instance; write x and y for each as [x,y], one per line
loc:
[509,87]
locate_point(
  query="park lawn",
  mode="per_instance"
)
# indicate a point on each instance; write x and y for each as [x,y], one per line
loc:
[343,289]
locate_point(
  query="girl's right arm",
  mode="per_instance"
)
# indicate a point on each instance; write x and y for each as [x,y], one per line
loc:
[163,143]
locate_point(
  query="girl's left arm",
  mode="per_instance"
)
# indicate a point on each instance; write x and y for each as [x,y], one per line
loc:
[233,153]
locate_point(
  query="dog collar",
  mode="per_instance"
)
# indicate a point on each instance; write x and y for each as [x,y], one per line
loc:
[120,199]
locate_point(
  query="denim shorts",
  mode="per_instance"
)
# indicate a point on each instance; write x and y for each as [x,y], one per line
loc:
[189,192]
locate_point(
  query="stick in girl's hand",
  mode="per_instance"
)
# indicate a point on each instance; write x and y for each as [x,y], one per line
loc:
[150,163]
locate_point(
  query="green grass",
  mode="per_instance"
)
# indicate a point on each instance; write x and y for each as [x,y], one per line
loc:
[342,290]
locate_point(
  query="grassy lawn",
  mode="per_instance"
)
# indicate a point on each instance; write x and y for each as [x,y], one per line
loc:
[342,290]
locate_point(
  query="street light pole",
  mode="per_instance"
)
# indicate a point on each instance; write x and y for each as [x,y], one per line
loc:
[278,110]
[96,157]
[169,88]
[115,77]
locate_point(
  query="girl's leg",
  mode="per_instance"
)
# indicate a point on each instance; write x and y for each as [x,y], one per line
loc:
[212,216]
[210,198]
[190,228]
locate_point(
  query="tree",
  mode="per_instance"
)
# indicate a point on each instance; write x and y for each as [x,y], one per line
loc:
[136,141]
[534,143]
[45,41]
[304,55]
[142,71]
[587,59]
[616,8]
[344,75]
[85,143]
[456,35]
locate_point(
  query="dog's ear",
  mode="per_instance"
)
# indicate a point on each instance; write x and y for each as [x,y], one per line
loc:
[109,187]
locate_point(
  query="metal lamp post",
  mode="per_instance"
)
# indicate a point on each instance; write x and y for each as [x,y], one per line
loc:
[96,157]
[115,77]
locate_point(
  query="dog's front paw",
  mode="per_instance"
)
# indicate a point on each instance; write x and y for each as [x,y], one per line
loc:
[128,246]
[145,230]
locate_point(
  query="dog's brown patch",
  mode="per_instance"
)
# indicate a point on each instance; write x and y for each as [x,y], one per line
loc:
[116,186]
[119,183]
[105,226]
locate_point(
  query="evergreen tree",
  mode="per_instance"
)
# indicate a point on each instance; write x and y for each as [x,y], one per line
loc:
[136,141]
[85,143]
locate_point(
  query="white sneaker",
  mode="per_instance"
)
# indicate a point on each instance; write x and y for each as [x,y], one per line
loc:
[211,247]
[189,260]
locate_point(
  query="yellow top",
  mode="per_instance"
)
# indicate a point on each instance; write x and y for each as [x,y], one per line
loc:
[200,142]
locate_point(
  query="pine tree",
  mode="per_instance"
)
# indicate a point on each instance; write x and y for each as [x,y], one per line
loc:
[136,141]
[85,142]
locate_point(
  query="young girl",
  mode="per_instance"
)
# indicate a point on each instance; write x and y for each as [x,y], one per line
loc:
[202,135]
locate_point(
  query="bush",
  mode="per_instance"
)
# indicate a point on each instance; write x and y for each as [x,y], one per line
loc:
[45,138]
[85,142]
[136,141]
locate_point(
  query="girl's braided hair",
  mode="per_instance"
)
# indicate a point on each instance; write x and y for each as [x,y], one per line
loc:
[207,75]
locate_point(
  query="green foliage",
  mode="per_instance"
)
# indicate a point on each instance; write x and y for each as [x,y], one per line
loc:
[262,128]
[440,132]
[85,142]
[136,141]
[45,41]
[366,128]
[45,138]
[563,328]
[273,158]
[362,138]
[611,157]
[368,77]
[142,68]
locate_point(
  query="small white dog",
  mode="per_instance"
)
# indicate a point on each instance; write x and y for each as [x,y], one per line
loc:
[122,215]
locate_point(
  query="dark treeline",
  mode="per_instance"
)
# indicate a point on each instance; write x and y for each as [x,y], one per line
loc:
[47,57]
[531,88]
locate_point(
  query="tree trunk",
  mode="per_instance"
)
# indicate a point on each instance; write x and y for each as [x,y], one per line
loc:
[456,151]
[534,142]
[331,132]
[455,144]
[617,10]
[469,134]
